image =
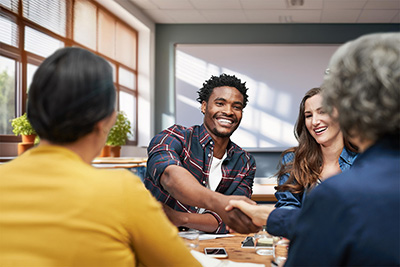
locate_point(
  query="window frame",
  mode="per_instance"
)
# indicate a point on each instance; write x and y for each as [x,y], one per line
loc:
[23,58]
[11,138]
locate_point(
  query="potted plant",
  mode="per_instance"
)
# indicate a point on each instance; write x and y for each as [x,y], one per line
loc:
[21,126]
[118,135]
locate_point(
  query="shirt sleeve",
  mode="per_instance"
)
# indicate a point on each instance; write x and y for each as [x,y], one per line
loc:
[164,150]
[287,199]
[288,205]
[245,187]
[323,231]
[154,240]
[280,222]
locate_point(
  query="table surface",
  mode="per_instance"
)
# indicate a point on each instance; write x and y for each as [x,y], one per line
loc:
[264,193]
[119,160]
[235,252]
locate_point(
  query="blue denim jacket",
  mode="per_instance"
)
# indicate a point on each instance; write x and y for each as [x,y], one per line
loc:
[289,204]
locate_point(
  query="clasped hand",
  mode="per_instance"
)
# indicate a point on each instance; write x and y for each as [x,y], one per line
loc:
[234,218]
[258,213]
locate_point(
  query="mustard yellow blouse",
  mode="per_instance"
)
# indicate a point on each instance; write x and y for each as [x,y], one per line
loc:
[56,210]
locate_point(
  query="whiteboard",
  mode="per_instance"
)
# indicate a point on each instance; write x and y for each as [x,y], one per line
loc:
[277,75]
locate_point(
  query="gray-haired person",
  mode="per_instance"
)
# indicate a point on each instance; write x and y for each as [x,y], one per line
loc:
[353,219]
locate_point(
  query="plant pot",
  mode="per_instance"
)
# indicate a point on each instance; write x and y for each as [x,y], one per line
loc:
[22,147]
[115,151]
[106,151]
[28,138]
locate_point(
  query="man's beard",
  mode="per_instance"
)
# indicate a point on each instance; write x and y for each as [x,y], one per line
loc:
[223,135]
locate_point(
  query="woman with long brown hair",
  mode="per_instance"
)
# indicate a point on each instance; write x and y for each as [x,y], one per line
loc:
[322,152]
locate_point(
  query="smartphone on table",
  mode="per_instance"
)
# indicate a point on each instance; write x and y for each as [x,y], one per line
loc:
[248,242]
[216,252]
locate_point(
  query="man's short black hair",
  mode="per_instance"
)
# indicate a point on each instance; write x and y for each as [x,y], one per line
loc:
[222,80]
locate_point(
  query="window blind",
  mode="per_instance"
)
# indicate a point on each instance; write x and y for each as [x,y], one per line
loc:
[49,14]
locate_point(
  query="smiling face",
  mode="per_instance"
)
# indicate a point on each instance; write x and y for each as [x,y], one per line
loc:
[319,124]
[223,111]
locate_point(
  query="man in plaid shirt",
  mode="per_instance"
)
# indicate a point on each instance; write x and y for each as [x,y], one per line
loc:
[195,171]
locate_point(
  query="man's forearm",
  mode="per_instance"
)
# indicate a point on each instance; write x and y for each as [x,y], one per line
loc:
[182,186]
[203,222]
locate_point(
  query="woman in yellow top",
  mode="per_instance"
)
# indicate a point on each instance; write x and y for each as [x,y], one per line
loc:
[55,208]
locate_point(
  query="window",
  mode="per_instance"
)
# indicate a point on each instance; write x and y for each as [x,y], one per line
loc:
[40,43]
[7,93]
[30,35]
[85,25]
[49,14]
[8,30]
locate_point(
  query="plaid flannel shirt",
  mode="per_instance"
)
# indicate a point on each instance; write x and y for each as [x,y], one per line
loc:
[192,148]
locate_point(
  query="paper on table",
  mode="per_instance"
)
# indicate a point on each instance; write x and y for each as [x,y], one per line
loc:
[211,236]
[208,261]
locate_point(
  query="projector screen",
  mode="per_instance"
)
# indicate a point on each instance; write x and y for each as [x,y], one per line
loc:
[277,77]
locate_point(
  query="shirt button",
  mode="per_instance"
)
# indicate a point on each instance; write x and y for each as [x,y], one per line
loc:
[209,155]
[204,182]
[211,142]
[203,145]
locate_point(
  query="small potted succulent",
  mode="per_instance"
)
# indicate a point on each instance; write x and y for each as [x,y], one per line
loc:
[21,126]
[117,136]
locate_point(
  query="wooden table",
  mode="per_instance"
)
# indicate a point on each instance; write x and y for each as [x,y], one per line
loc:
[235,252]
[136,165]
[119,162]
[264,193]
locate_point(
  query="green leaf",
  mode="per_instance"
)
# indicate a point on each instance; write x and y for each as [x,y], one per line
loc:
[22,126]
[119,132]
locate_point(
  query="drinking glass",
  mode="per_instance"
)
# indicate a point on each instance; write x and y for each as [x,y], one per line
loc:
[191,238]
[264,243]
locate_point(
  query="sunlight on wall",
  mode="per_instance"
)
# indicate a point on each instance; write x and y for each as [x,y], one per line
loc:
[283,101]
[188,101]
[275,129]
[185,66]
[258,129]
[263,96]
[244,138]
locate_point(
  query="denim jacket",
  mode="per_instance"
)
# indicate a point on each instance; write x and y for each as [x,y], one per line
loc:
[288,204]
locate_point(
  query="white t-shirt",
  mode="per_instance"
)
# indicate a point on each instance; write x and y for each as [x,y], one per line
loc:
[215,175]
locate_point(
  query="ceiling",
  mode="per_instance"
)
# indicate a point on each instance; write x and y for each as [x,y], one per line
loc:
[270,11]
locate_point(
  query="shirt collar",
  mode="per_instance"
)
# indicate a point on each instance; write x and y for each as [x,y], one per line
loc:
[204,136]
[205,139]
[348,156]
